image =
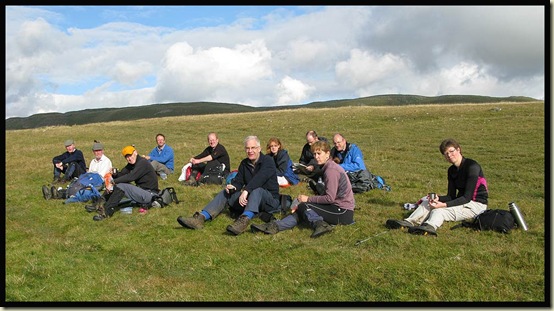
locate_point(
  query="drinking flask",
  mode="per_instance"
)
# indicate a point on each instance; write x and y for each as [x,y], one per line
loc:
[514,209]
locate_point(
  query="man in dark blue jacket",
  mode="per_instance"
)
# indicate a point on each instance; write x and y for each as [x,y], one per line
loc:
[253,190]
[71,163]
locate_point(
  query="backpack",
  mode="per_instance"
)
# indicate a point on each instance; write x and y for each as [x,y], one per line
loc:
[85,188]
[379,183]
[167,196]
[498,220]
[364,180]
[213,175]
[189,171]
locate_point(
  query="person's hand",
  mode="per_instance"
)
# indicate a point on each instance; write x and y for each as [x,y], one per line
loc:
[436,203]
[146,157]
[59,165]
[302,198]
[310,168]
[230,188]
[243,199]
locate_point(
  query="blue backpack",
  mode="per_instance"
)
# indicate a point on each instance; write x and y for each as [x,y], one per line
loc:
[85,188]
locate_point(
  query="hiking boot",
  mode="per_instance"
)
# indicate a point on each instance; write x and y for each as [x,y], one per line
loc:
[191,181]
[156,204]
[195,222]
[55,193]
[99,217]
[321,227]
[267,228]
[424,229]
[103,212]
[91,208]
[46,193]
[398,224]
[239,226]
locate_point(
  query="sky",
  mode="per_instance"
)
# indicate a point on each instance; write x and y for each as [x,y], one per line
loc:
[71,58]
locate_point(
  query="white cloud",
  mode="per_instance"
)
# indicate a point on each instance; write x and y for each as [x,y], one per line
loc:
[363,69]
[282,58]
[128,73]
[291,91]
[214,74]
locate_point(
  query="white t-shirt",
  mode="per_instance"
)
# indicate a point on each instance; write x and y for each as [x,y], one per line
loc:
[101,166]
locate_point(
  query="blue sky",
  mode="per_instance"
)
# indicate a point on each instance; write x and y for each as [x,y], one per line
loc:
[68,58]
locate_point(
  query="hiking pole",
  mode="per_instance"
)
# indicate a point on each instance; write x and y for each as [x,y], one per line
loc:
[361,241]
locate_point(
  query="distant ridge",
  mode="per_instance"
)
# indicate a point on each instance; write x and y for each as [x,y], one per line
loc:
[201,108]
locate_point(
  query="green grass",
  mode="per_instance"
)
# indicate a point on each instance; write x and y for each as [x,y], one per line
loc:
[55,252]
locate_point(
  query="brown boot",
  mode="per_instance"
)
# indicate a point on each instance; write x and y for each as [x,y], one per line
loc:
[191,181]
[195,222]
[321,227]
[267,228]
[239,226]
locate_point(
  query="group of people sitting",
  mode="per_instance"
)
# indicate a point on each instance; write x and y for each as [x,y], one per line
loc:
[254,189]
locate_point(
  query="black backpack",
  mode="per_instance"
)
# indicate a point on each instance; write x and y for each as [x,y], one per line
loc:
[364,180]
[213,175]
[498,220]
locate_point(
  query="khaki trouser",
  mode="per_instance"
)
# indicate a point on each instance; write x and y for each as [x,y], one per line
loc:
[436,216]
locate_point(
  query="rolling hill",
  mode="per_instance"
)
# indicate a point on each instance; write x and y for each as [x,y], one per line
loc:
[201,108]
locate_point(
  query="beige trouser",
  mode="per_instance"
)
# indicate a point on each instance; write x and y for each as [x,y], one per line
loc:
[436,216]
[159,168]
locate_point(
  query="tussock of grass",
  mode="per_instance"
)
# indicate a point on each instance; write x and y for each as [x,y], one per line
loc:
[55,252]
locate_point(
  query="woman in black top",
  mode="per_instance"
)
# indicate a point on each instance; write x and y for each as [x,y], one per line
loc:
[467,195]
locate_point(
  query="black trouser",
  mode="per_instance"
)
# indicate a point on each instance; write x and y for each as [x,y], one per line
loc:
[332,214]
[112,200]
[202,167]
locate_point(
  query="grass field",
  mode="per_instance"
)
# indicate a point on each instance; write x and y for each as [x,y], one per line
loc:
[57,253]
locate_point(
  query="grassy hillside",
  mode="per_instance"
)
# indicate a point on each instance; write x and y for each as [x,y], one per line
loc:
[57,253]
[199,108]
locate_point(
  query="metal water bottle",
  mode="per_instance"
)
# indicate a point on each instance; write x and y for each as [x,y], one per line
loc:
[517,215]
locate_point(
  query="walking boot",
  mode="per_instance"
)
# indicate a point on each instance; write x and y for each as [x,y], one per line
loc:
[239,226]
[103,211]
[267,228]
[321,227]
[424,229]
[46,193]
[55,193]
[107,207]
[94,206]
[192,179]
[398,224]
[195,222]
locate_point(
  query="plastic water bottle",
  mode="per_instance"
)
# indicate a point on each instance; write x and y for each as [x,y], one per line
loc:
[517,215]
[126,210]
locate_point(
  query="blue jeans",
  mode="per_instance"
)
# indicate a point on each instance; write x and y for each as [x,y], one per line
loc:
[310,213]
[258,200]
[71,170]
